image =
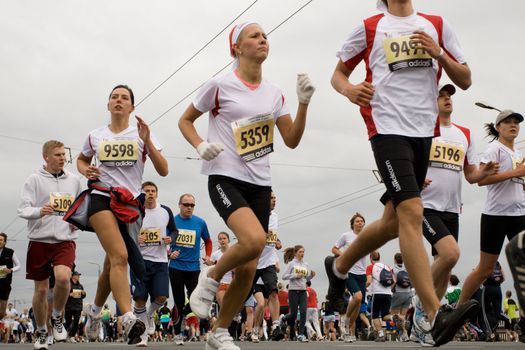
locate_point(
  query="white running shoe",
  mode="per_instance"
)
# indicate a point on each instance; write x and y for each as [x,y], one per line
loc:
[133,328]
[179,340]
[221,341]
[93,323]
[302,339]
[59,330]
[143,341]
[203,295]
[151,325]
[254,337]
[41,340]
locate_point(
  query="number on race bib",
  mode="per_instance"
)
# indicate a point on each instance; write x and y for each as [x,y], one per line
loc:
[515,163]
[186,238]
[254,136]
[61,201]
[151,236]
[271,237]
[119,153]
[447,155]
[401,53]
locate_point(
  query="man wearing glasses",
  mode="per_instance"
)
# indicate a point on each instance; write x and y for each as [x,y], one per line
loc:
[184,265]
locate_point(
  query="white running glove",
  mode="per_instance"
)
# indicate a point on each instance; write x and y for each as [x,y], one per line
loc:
[208,151]
[305,89]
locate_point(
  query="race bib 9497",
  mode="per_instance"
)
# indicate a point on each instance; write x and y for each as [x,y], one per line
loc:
[403,53]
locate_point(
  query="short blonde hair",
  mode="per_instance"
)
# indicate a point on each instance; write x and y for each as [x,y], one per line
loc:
[50,145]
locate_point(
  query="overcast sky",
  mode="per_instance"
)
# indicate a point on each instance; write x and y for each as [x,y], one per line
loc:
[60,60]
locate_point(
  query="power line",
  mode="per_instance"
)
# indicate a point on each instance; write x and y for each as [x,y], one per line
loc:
[329,202]
[227,65]
[10,223]
[196,53]
[331,207]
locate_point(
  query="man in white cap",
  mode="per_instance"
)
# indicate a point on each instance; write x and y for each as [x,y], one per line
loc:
[452,156]
[405,53]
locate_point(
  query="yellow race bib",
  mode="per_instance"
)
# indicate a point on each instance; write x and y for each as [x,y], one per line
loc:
[77,293]
[402,53]
[119,153]
[61,201]
[515,163]
[271,237]
[447,155]
[186,238]
[151,236]
[253,136]
[300,270]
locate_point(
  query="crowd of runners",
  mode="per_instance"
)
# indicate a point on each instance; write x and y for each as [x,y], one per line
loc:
[421,158]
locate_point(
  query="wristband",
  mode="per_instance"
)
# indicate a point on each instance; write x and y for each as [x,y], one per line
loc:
[441,53]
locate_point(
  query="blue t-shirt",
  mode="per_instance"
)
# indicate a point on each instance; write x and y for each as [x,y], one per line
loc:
[188,242]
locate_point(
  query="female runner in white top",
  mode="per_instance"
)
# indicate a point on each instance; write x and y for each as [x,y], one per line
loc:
[243,108]
[123,170]
[504,212]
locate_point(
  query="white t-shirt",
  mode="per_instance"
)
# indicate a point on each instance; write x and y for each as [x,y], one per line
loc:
[228,276]
[243,121]
[450,152]
[269,254]
[155,225]
[122,156]
[376,286]
[359,268]
[405,78]
[506,198]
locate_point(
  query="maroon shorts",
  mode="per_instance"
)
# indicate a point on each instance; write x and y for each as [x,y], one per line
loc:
[41,257]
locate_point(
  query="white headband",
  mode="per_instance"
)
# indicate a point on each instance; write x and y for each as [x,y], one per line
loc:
[234,36]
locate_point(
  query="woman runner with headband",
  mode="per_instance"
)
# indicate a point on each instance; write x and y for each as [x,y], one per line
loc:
[243,110]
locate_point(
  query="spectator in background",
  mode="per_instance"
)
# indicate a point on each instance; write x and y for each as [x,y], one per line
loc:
[510,309]
[282,294]
[312,313]
[74,306]
[9,263]
[453,291]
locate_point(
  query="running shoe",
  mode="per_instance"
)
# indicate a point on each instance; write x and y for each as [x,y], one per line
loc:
[41,340]
[302,339]
[134,328]
[59,330]
[277,334]
[151,325]
[336,286]
[254,337]
[93,323]
[143,341]
[449,320]
[179,339]
[221,341]
[423,338]
[203,295]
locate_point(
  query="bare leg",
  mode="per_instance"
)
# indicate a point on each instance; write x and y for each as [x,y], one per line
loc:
[40,303]
[410,215]
[482,271]
[61,289]
[444,262]
[114,277]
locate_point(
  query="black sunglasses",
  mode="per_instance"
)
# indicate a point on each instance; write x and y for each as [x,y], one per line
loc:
[188,205]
